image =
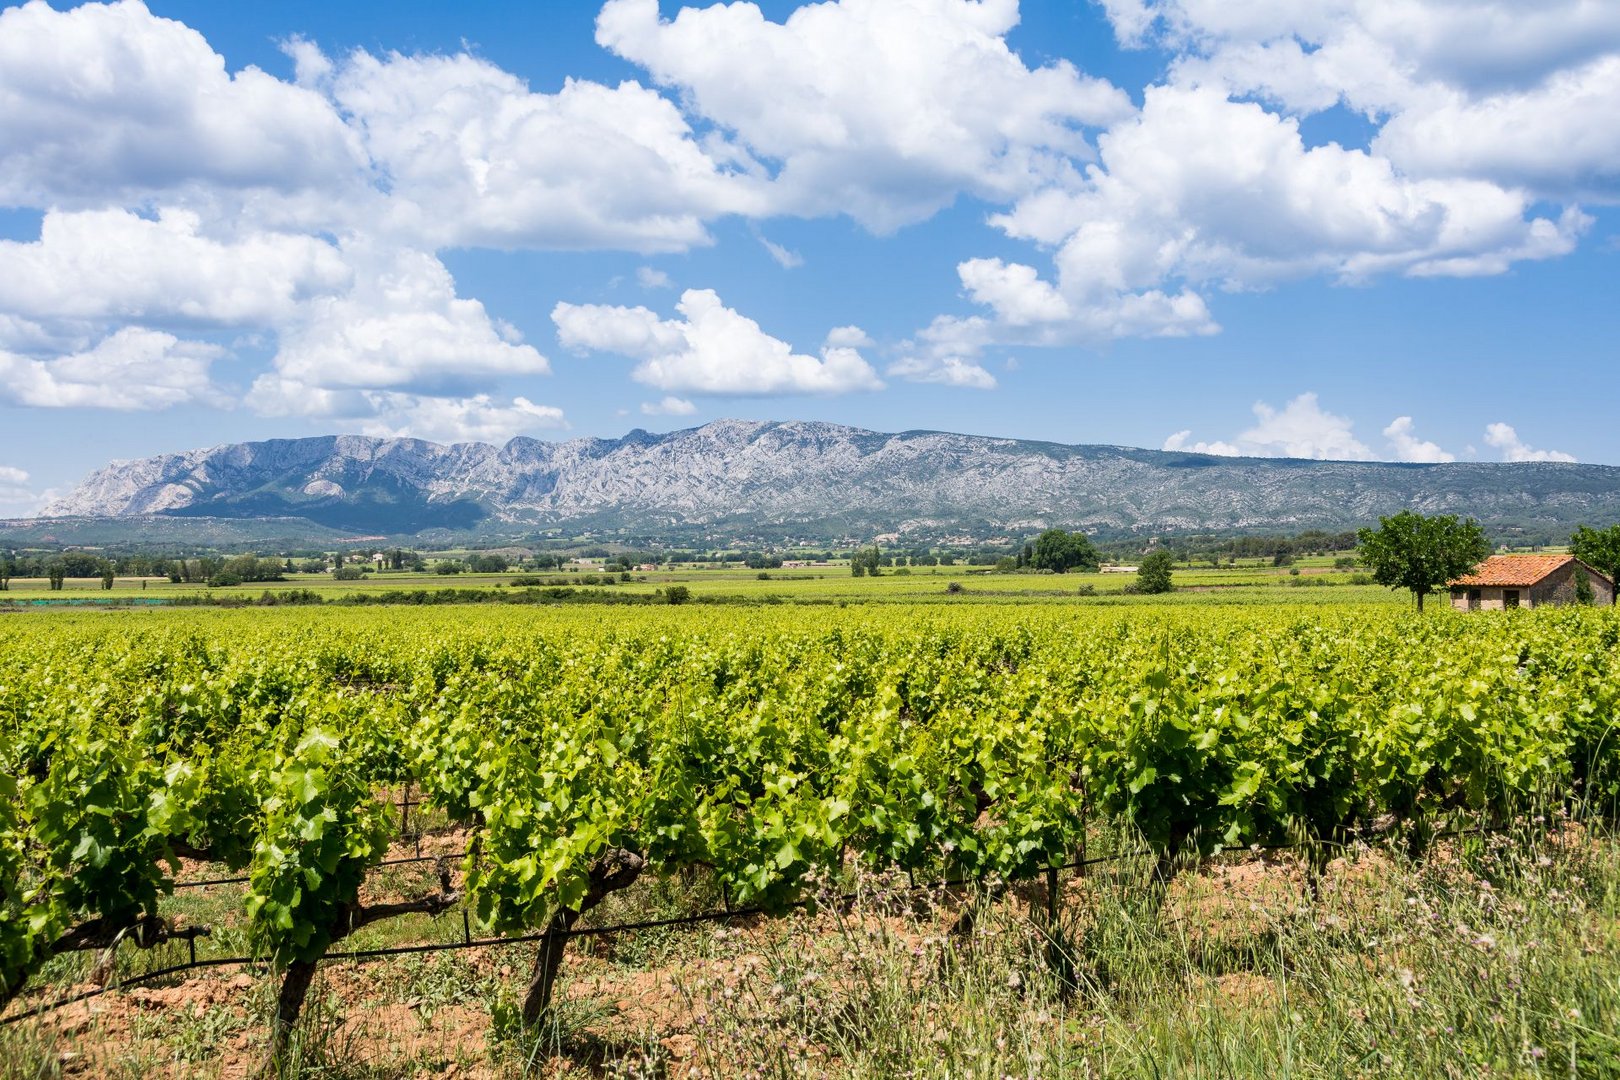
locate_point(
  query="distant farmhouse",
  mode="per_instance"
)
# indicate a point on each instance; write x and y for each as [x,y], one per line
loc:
[1511,581]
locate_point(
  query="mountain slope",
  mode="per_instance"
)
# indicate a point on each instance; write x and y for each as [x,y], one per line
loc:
[818,479]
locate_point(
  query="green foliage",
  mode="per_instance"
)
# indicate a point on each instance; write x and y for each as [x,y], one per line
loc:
[766,746]
[1583,588]
[81,564]
[1600,548]
[1059,551]
[1153,573]
[30,917]
[89,815]
[322,829]
[867,561]
[251,568]
[1419,553]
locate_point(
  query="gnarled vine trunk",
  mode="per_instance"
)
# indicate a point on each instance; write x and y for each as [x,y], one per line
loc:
[296,980]
[615,870]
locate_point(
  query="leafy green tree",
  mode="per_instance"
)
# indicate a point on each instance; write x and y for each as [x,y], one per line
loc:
[250,568]
[866,561]
[1421,553]
[1153,574]
[82,564]
[1600,548]
[1059,551]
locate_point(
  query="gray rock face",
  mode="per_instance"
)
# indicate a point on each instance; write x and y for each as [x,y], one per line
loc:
[818,479]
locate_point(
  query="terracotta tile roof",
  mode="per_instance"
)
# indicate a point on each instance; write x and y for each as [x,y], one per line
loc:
[1513,570]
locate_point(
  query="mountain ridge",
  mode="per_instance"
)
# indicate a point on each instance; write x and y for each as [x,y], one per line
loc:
[818,479]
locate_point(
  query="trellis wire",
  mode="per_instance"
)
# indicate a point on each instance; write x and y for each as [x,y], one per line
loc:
[469,942]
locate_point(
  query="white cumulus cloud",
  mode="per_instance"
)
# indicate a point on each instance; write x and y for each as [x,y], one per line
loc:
[849,337]
[109,101]
[404,414]
[401,326]
[479,418]
[1506,439]
[710,349]
[670,405]
[649,278]
[1406,446]
[1518,94]
[943,371]
[1480,113]
[16,496]
[476,158]
[882,109]
[1201,189]
[1300,429]
[1183,440]
[134,368]
[114,264]
[947,352]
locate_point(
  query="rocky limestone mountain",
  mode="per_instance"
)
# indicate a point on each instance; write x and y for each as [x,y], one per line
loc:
[818,480]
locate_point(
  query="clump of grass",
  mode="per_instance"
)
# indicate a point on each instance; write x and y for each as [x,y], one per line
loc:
[428,982]
[321,1047]
[572,1029]
[28,1052]
[881,989]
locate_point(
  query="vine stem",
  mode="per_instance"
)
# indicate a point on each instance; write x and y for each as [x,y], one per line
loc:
[295,983]
[617,869]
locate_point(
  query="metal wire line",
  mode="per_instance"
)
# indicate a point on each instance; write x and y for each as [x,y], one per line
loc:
[470,942]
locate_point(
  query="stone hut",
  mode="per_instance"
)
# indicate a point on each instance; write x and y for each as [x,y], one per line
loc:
[1529,581]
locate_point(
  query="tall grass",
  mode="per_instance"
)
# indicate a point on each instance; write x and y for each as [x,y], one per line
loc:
[1495,956]
[1492,956]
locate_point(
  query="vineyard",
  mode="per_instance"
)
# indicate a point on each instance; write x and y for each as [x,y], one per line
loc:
[762,757]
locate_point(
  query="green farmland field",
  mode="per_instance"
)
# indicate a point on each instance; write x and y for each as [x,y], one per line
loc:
[1241,584]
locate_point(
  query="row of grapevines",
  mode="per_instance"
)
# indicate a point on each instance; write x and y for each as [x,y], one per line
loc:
[768,748]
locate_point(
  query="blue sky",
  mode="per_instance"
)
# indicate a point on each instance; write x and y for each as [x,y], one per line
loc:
[1352,229]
